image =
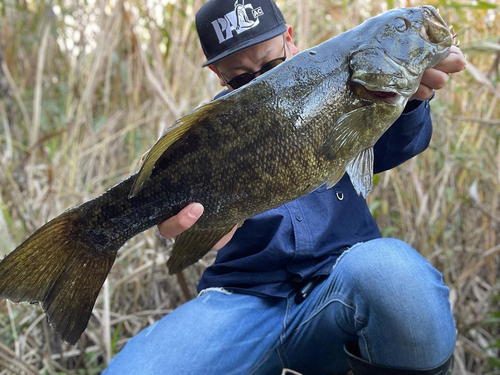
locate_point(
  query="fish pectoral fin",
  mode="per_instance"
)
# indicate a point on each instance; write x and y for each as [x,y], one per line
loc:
[178,129]
[360,170]
[347,130]
[193,244]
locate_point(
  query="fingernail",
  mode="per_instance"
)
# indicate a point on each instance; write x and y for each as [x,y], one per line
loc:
[195,211]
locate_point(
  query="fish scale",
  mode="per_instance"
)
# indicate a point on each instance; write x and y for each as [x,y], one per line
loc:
[289,131]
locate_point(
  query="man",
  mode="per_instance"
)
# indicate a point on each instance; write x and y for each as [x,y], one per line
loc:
[310,285]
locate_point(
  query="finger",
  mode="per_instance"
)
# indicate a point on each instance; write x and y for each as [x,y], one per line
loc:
[454,62]
[424,92]
[182,221]
[224,240]
[435,79]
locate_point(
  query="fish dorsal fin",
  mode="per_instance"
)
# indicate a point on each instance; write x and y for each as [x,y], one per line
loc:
[345,133]
[178,129]
[360,170]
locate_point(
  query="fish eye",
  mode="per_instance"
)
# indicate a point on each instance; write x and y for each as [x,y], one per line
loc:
[401,24]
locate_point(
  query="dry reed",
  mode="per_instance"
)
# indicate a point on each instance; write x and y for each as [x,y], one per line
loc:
[85,90]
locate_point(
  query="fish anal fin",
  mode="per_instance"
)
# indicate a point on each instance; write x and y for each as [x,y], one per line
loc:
[360,171]
[178,129]
[346,131]
[192,245]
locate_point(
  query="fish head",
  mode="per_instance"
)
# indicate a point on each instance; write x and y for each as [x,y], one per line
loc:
[399,45]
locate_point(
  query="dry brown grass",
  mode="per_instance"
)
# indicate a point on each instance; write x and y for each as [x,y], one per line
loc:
[75,119]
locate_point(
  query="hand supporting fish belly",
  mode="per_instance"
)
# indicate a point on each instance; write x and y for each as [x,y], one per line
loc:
[303,124]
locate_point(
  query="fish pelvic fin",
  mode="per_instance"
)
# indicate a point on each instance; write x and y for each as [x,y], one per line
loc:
[360,171]
[60,268]
[334,178]
[178,129]
[193,244]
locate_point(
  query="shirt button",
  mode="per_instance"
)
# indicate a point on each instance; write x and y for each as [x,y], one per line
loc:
[298,218]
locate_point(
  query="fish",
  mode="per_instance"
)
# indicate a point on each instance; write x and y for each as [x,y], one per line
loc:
[301,125]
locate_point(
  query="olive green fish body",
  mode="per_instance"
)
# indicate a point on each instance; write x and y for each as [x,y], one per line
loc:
[301,125]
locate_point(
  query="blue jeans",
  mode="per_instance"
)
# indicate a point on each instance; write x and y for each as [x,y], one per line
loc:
[381,293]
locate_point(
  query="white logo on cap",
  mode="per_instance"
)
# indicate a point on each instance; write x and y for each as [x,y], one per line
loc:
[236,20]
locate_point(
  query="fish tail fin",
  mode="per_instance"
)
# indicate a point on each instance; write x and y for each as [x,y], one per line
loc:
[60,267]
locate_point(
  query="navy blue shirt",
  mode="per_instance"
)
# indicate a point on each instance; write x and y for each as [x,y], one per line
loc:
[274,251]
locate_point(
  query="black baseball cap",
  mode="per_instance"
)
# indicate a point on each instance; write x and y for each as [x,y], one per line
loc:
[228,26]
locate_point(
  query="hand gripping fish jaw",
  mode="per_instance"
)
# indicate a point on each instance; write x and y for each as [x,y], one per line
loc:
[392,67]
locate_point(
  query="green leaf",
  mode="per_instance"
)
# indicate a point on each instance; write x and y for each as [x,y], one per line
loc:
[114,339]
[494,361]
[387,231]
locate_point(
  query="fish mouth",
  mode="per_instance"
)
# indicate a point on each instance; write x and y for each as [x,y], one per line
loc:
[435,29]
[388,95]
[383,95]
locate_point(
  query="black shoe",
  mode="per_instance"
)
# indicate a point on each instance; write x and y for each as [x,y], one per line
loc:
[360,366]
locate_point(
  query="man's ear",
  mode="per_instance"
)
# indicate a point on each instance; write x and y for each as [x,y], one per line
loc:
[221,80]
[289,40]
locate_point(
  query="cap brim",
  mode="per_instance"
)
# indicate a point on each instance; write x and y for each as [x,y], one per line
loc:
[278,30]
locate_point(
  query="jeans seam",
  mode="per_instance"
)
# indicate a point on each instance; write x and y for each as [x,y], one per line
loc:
[281,339]
[321,309]
[283,335]
[266,357]
[282,357]
[367,346]
[361,320]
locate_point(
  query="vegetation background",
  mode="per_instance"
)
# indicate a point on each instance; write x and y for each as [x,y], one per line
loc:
[87,86]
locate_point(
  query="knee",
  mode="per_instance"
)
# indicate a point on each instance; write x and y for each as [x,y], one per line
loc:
[395,287]
[391,270]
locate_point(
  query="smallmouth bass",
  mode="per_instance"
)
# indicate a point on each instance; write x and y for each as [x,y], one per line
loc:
[303,124]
